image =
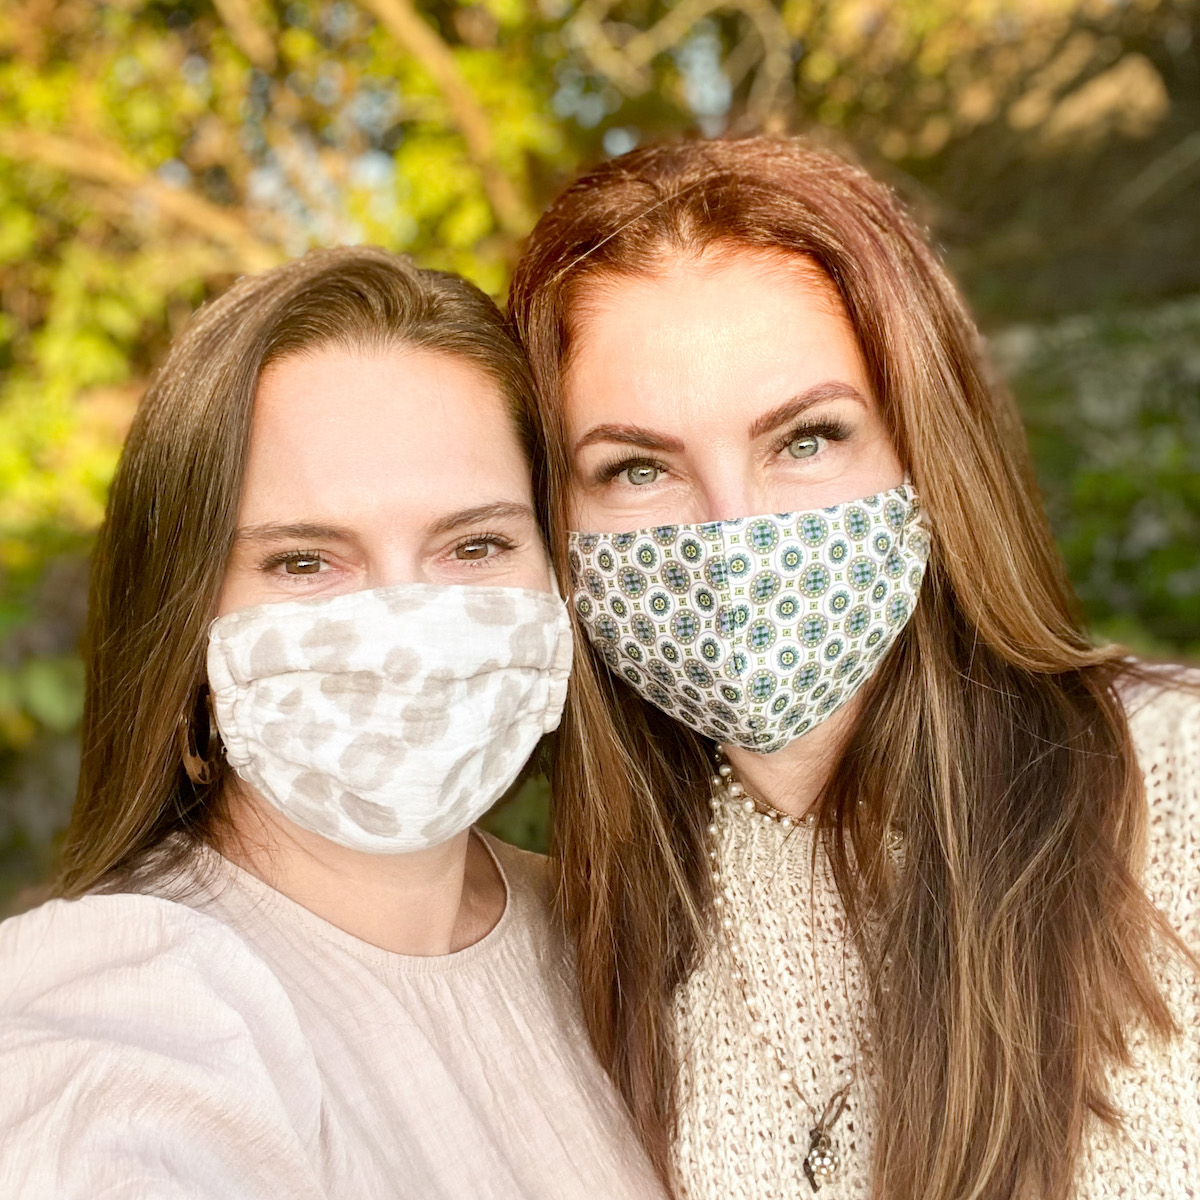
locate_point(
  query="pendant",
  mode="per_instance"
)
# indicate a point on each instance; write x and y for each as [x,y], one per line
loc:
[822,1161]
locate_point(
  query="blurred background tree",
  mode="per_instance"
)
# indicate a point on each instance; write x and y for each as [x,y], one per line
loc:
[151,152]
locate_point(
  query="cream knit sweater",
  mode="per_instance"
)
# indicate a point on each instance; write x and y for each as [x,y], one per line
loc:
[744,1136]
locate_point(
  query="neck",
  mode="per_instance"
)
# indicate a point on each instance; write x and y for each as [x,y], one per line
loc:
[792,779]
[422,902]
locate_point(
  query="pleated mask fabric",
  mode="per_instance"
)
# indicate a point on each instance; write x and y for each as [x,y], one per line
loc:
[390,719]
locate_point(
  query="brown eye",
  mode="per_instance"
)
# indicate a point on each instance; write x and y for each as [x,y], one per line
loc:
[804,447]
[302,564]
[469,551]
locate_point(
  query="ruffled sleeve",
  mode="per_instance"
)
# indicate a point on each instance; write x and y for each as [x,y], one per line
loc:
[146,1052]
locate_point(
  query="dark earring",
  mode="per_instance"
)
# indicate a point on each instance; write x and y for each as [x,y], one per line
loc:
[198,747]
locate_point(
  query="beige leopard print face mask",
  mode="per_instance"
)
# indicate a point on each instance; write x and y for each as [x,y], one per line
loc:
[389,720]
[754,631]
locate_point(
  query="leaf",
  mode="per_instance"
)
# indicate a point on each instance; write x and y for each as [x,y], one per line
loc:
[51,691]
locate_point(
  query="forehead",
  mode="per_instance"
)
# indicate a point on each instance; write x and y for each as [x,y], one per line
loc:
[720,267]
[729,320]
[334,426]
[397,381]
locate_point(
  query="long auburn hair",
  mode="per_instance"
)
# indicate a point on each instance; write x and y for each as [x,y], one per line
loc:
[993,734]
[170,525]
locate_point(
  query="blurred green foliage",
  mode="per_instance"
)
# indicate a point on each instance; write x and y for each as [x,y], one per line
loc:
[524,820]
[1113,412]
[150,152]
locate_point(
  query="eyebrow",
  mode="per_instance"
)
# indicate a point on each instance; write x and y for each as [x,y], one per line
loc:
[649,439]
[501,510]
[789,410]
[304,532]
[312,532]
[630,435]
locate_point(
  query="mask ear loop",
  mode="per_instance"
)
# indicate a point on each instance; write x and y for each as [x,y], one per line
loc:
[915,500]
[555,590]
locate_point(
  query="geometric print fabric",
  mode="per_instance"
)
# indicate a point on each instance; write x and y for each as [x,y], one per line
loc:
[753,631]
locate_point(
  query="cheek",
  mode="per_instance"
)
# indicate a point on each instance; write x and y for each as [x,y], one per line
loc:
[240,589]
[879,467]
[590,511]
[534,571]
[247,585]
[578,509]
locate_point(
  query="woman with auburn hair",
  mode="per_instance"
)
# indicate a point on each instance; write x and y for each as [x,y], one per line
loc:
[322,640]
[881,876]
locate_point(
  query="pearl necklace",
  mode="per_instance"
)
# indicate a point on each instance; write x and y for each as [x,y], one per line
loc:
[822,1161]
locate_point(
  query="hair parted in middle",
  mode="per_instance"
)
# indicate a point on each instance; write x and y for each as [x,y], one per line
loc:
[992,735]
[149,788]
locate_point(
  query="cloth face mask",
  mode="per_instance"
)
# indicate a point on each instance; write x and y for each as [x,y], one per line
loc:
[753,631]
[391,719]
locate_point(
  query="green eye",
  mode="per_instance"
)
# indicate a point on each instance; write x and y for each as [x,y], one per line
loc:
[641,473]
[804,446]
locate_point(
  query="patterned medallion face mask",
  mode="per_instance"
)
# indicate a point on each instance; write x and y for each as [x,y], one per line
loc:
[753,631]
[391,719]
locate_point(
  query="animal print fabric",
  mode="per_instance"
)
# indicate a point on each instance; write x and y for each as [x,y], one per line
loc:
[753,631]
[390,719]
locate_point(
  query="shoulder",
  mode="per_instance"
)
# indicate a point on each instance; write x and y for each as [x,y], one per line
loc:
[139,1035]
[530,879]
[1164,723]
[1162,691]
[69,947]
[527,874]
[133,969]
[60,943]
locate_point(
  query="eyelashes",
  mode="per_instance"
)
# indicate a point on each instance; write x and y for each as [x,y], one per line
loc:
[273,561]
[481,539]
[317,559]
[829,429]
[607,472]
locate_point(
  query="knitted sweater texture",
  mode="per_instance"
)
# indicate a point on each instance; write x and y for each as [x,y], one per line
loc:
[743,1134]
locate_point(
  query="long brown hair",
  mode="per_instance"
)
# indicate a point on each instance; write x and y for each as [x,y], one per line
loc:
[170,525]
[992,735]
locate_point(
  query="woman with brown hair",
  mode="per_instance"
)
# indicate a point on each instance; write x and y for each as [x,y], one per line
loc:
[881,876]
[322,640]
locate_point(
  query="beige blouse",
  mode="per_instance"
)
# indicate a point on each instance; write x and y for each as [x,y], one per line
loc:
[743,1133]
[237,1047]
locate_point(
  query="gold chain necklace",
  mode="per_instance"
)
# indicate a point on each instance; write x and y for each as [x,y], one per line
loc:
[822,1161]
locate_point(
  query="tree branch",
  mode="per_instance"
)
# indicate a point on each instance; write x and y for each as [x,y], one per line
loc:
[1166,169]
[670,30]
[763,108]
[417,37]
[253,38]
[628,66]
[103,165]
[587,32]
